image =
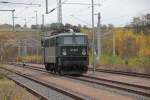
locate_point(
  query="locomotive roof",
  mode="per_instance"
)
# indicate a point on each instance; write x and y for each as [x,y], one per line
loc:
[65,34]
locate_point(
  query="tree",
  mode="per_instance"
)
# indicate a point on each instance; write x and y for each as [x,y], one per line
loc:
[68,26]
[25,26]
[56,26]
[85,27]
[35,26]
[79,26]
[147,19]
[17,26]
[103,28]
[141,24]
[110,26]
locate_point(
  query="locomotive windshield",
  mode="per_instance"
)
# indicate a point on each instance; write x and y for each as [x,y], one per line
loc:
[69,40]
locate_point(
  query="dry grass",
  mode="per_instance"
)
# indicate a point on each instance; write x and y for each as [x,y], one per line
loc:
[10,91]
[30,59]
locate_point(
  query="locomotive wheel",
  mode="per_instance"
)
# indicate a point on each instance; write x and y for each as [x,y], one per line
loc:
[55,70]
[46,67]
[59,70]
[51,67]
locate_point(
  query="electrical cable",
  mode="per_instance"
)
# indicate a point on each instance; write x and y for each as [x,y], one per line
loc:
[80,20]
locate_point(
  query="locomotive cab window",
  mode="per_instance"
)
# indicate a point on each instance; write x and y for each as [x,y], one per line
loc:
[80,40]
[72,40]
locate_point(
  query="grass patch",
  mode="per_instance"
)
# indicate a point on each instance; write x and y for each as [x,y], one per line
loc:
[2,77]
[139,61]
[10,91]
[138,64]
[106,59]
[116,60]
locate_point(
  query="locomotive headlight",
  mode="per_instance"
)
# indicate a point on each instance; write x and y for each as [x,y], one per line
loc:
[64,52]
[83,51]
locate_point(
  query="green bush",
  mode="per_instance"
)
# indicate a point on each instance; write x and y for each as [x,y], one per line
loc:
[139,61]
[2,76]
[107,59]
[115,60]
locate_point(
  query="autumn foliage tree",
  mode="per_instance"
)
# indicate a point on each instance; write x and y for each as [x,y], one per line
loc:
[129,44]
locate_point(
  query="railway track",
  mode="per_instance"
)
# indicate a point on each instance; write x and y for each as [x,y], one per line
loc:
[142,75]
[134,74]
[132,88]
[64,92]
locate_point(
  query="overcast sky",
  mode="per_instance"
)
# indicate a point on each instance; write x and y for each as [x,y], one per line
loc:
[117,12]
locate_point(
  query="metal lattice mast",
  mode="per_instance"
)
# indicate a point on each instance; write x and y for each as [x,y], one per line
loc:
[59,11]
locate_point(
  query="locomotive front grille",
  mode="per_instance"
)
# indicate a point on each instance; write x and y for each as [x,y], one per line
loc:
[74,61]
[74,58]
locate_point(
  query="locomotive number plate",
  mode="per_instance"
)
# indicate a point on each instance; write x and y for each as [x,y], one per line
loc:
[73,50]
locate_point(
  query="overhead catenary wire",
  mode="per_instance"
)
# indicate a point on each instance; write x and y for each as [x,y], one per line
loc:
[108,19]
[85,9]
[21,10]
[122,16]
[80,20]
[81,4]
[27,7]
[20,3]
[103,20]
[13,17]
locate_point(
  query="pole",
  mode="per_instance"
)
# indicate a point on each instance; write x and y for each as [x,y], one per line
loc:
[19,51]
[99,37]
[37,51]
[93,47]
[1,51]
[46,6]
[13,19]
[25,23]
[25,47]
[36,17]
[114,44]
[43,21]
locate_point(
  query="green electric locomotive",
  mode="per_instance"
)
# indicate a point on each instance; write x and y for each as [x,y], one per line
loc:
[66,52]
